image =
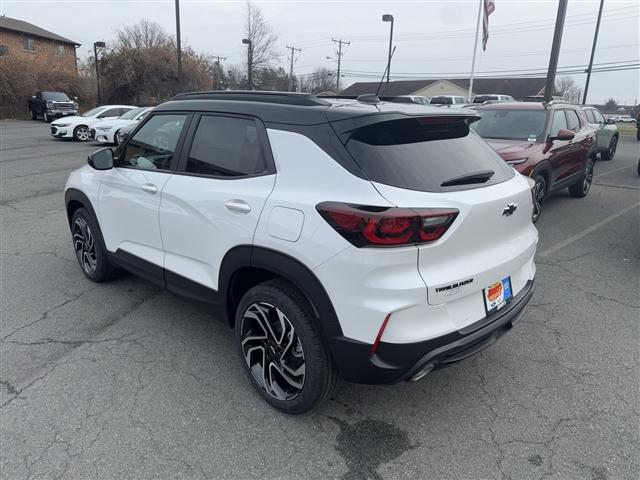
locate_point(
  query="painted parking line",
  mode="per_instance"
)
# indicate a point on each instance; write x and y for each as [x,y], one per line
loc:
[612,171]
[586,231]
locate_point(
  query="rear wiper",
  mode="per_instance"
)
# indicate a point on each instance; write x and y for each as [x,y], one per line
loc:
[474,177]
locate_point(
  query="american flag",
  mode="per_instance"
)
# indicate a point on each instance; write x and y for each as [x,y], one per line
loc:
[489,7]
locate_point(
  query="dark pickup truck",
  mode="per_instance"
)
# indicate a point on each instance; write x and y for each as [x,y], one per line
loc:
[51,105]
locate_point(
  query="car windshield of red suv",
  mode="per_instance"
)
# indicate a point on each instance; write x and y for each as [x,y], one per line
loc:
[525,125]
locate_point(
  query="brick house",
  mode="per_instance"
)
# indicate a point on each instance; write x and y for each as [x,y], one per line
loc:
[43,47]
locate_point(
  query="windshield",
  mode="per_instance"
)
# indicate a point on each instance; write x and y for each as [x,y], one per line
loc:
[423,153]
[131,114]
[93,112]
[55,96]
[511,124]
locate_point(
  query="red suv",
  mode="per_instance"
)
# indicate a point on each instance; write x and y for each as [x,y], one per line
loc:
[551,143]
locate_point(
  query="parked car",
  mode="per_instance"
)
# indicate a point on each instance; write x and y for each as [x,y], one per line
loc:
[448,100]
[492,97]
[551,143]
[78,127]
[408,99]
[106,131]
[333,235]
[625,119]
[51,105]
[607,134]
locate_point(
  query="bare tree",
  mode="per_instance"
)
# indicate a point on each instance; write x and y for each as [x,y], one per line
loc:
[320,80]
[568,90]
[262,41]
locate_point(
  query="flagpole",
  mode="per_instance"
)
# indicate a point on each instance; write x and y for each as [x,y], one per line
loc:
[475,49]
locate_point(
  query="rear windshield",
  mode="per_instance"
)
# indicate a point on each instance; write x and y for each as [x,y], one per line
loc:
[527,125]
[484,98]
[423,153]
[441,100]
[55,96]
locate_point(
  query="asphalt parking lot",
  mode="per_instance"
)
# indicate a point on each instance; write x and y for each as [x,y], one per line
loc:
[122,380]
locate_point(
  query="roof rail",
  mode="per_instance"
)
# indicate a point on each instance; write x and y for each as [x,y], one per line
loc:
[283,98]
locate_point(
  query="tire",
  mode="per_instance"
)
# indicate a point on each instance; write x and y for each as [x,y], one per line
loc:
[610,152]
[33,115]
[88,246]
[581,188]
[540,191]
[45,117]
[302,374]
[81,133]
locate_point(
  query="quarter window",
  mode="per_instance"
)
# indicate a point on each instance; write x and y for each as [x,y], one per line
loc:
[153,146]
[573,123]
[598,116]
[226,147]
[590,117]
[559,123]
[29,44]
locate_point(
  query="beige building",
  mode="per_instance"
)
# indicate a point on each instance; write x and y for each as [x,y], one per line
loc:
[518,88]
[44,48]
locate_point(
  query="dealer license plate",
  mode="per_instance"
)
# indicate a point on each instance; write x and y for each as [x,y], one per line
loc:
[497,295]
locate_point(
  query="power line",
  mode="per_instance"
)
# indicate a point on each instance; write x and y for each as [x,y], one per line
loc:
[293,54]
[340,42]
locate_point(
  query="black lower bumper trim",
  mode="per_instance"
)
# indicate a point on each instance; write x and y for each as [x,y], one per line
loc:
[395,362]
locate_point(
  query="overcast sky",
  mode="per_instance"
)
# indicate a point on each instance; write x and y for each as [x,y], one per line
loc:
[434,39]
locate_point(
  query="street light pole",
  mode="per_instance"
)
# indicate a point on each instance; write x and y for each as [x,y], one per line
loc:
[178,45]
[95,58]
[388,18]
[249,45]
[593,52]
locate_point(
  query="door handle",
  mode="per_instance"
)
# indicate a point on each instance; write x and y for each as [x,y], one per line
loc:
[238,206]
[149,188]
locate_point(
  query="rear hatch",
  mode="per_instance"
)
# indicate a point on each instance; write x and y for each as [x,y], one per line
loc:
[437,162]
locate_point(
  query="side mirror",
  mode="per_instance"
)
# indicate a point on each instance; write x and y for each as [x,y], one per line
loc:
[610,121]
[101,159]
[563,135]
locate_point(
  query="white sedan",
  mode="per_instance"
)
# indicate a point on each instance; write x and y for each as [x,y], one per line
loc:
[105,131]
[78,127]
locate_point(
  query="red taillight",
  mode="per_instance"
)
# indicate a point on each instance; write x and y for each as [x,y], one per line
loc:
[365,226]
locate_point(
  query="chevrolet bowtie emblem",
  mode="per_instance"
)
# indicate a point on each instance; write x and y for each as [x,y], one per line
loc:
[509,209]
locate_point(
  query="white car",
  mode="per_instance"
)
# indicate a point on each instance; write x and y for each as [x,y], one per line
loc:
[105,131]
[375,241]
[78,127]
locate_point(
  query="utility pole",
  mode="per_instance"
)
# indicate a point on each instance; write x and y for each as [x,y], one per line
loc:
[249,44]
[555,51]
[340,42]
[178,46]
[95,59]
[293,53]
[593,52]
[218,70]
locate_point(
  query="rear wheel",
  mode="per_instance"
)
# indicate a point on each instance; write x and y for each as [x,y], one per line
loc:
[609,153]
[539,195]
[282,351]
[81,133]
[89,247]
[582,186]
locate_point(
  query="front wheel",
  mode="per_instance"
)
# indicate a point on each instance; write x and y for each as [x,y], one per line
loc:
[539,194]
[45,117]
[611,151]
[33,115]
[582,186]
[282,352]
[89,247]
[81,133]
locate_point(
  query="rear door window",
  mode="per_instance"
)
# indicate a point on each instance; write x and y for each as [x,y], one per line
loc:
[226,147]
[423,153]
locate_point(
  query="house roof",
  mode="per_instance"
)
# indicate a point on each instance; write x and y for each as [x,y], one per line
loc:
[7,23]
[516,87]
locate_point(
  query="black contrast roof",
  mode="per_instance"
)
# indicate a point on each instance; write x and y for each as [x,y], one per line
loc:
[294,108]
[20,26]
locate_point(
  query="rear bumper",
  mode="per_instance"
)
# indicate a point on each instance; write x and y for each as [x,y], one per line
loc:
[395,362]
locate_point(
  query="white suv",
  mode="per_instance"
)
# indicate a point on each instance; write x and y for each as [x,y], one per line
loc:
[378,241]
